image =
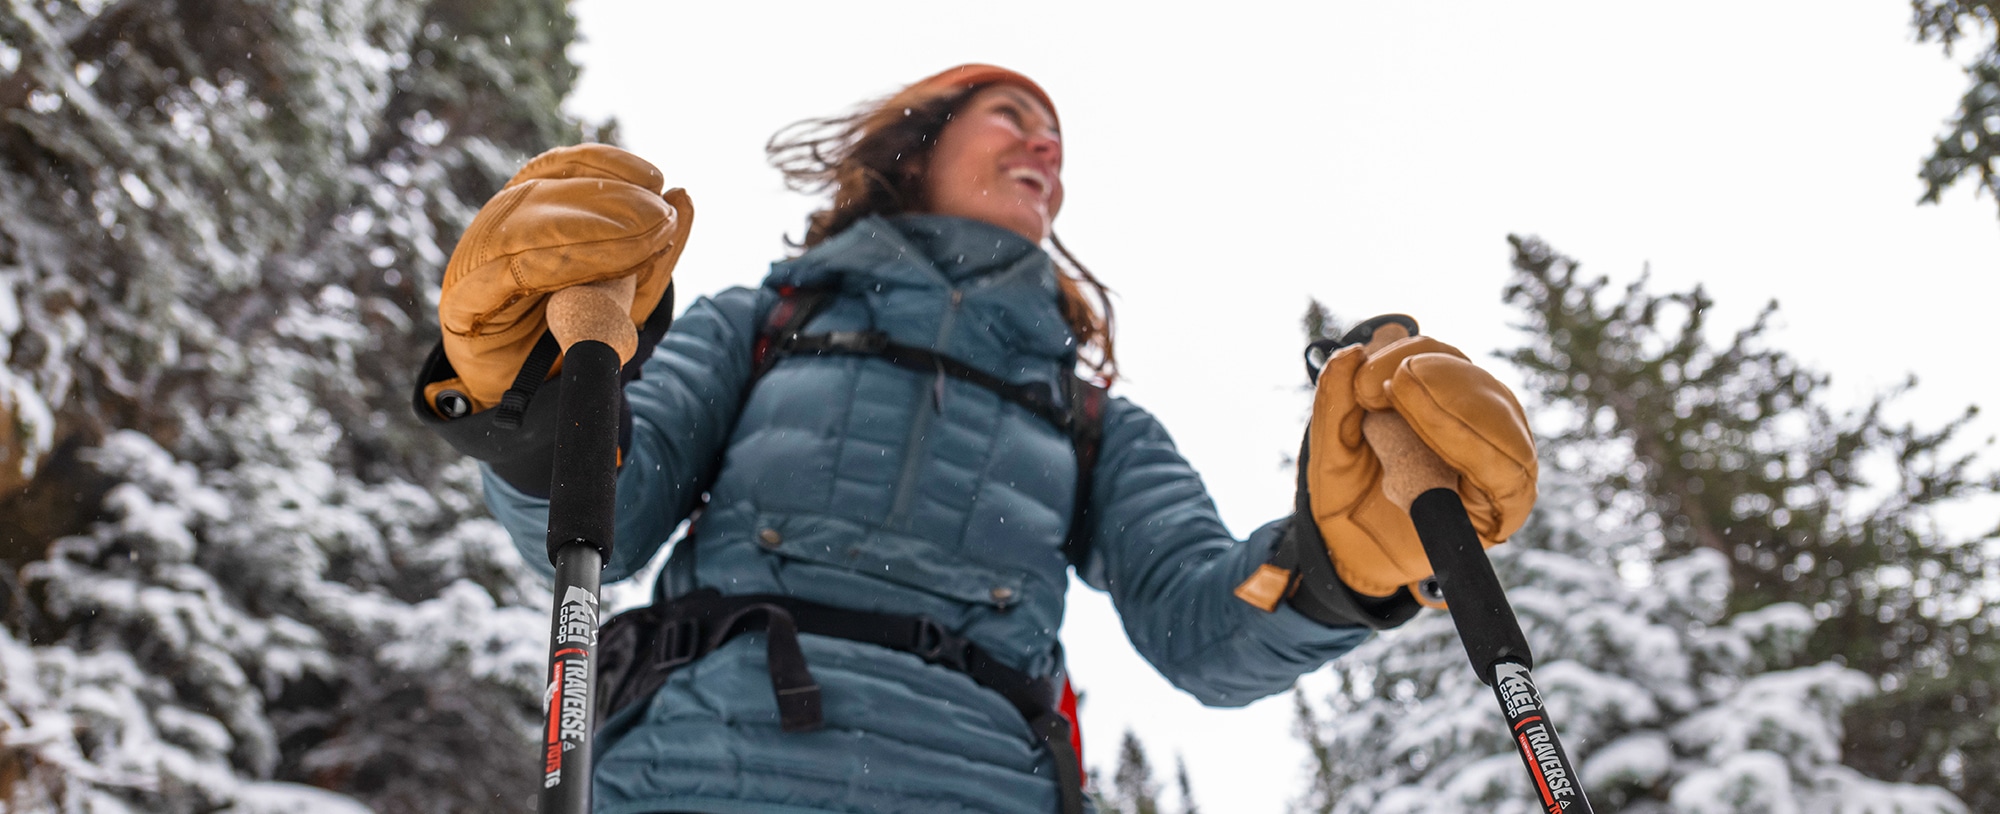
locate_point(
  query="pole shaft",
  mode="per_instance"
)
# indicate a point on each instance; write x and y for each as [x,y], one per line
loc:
[1557,785]
[1494,642]
[582,500]
[572,682]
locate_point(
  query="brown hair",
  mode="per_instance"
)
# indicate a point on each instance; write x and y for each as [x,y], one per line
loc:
[871,159]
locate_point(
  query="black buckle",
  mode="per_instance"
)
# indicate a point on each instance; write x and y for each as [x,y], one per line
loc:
[936,645]
[1039,396]
[676,644]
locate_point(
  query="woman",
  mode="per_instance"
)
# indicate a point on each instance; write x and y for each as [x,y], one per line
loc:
[892,467]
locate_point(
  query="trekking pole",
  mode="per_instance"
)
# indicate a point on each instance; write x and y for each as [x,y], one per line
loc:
[593,325]
[1414,477]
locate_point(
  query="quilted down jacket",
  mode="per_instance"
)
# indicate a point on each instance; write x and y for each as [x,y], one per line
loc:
[851,481]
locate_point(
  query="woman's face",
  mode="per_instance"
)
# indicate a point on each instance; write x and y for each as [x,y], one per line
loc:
[998,160]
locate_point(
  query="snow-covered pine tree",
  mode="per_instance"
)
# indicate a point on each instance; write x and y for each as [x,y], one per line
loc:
[1687,675]
[236,569]
[1735,449]
[1666,700]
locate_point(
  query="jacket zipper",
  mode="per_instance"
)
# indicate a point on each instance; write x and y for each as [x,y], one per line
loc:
[925,408]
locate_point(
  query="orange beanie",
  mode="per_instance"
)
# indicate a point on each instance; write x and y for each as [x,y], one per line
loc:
[971,75]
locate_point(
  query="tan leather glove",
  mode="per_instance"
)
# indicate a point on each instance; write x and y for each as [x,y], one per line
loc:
[573,215]
[1461,412]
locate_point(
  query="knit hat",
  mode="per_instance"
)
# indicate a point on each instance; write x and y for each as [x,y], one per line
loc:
[972,75]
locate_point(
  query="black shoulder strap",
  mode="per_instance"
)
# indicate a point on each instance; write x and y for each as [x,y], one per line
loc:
[795,307]
[1086,402]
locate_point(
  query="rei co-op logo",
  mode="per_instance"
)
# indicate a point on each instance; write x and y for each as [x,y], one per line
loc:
[1534,737]
[1516,689]
[578,623]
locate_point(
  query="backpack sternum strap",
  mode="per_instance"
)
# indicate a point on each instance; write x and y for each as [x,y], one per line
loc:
[1035,397]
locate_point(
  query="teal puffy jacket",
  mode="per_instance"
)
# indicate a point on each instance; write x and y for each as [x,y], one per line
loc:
[853,482]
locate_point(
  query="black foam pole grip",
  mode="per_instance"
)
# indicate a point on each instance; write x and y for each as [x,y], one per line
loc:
[583,484]
[1486,623]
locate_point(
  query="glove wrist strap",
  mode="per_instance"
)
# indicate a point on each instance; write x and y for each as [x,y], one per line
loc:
[1300,573]
[1320,595]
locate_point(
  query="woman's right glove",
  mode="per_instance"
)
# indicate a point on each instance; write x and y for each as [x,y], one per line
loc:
[1461,412]
[1350,554]
[573,215]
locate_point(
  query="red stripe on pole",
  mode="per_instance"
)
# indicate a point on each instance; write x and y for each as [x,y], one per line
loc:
[1535,768]
[555,701]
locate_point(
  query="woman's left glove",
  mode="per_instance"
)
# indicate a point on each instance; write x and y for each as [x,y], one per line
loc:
[1465,415]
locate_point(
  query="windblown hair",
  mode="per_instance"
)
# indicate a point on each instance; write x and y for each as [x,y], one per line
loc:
[872,160]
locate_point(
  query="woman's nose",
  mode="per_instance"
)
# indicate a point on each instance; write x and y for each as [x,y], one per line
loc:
[1046,146]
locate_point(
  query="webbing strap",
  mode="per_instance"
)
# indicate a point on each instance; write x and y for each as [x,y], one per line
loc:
[1035,397]
[1086,433]
[534,370]
[1054,732]
[792,682]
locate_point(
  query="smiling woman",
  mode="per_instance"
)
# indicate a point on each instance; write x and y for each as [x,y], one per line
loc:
[894,451]
[975,141]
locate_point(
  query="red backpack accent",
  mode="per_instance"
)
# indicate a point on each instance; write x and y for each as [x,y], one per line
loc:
[1068,709]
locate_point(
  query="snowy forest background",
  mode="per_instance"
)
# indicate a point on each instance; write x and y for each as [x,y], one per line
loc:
[236,576]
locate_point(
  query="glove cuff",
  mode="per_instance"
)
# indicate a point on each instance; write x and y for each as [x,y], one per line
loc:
[523,455]
[1321,596]
[1301,573]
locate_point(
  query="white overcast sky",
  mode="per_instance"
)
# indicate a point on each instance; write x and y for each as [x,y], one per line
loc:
[1227,161]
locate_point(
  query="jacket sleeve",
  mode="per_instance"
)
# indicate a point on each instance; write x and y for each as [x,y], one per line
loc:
[683,406]
[1162,552]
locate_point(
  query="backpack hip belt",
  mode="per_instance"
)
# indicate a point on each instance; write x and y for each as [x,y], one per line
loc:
[639,649]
